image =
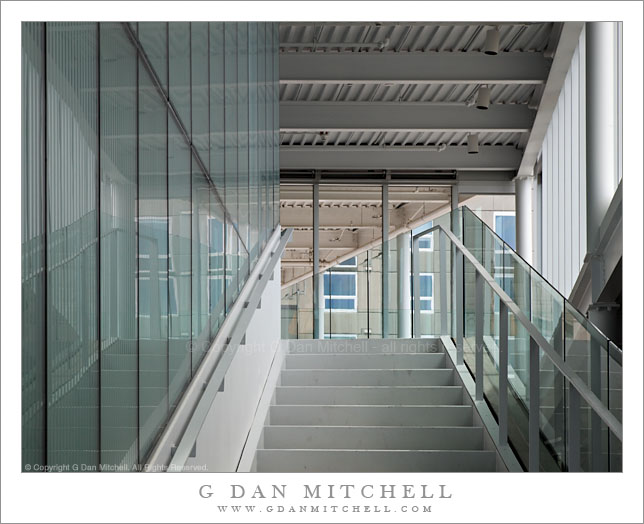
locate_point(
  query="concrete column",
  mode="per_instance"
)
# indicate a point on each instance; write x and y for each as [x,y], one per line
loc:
[385,261]
[524,187]
[318,278]
[404,287]
[601,124]
[601,181]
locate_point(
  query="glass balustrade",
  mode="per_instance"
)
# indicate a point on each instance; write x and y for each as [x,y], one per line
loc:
[353,309]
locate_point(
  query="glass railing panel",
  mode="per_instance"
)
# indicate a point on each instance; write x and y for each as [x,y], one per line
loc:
[546,309]
[469,315]
[490,347]
[518,388]
[614,386]
[615,380]
[586,352]
[517,280]
[552,415]
[473,234]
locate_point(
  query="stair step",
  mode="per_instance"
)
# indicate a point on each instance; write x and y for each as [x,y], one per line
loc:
[317,415]
[367,395]
[373,437]
[348,460]
[367,377]
[366,361]
[360,346]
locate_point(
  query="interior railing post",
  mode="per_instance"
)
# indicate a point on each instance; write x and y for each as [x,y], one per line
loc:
[574,449]
[458,270]
[503,374]
[443,280]
[415,270]
[478,338]
[533,418]
[595,421]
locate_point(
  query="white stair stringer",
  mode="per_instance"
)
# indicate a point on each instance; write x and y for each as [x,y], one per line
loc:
[390,405]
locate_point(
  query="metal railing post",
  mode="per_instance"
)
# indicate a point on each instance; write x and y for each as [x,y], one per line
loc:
[415,260]
[443,280]
[574,448]
[503,374]
[459,306]
[595,421]
[385,260]
[533,422]
[478,338]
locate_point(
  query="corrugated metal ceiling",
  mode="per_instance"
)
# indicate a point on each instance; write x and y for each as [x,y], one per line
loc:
[409,37]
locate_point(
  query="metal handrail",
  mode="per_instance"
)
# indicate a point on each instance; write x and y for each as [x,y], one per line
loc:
[578,390]
[214,383]
[514,252]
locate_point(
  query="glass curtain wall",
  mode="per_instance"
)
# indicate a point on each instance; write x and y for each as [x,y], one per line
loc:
[149,189]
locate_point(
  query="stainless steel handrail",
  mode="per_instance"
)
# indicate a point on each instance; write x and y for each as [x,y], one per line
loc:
[178,439]
[214,383]
[616,357]
[578,388]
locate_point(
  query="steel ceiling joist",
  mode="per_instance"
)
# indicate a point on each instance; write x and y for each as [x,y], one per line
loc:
[413,68]
[489,158]
[409,117]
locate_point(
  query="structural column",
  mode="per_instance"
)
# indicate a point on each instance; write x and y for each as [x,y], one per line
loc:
[404,288]
[318,278]
[523,187]
[385,260]
[454,206]
[601,182]
[601,124]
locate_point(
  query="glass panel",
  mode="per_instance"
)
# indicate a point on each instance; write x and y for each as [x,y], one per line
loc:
[179,70]
[242,150]
[375,293]
[615,403]
[274,55]
[261,125]
[153,262]
[34,329]
[217,221]
[154,40]
[200,266]
[231,144]
[72,294]
[199,89]
[253,175]
[119,362]
[179,256]
[125,238]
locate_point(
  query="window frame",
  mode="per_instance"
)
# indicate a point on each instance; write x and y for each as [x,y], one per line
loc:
[354,297]
[426,297]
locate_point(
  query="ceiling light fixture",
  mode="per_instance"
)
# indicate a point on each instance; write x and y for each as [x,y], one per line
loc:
[473,144]
[483,98]
[492,39]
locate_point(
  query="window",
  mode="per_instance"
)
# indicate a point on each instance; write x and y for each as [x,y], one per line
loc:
[426,242]
[349,262]
[340,335]
[505,227]
[426,292]
[340,291]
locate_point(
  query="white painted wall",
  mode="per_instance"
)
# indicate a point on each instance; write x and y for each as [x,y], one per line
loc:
[563,181]
[221,441]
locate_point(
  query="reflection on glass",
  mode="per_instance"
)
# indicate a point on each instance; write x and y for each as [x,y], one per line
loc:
[131,247]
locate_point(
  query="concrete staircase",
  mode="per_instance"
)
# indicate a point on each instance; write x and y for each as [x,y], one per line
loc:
[372,406]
